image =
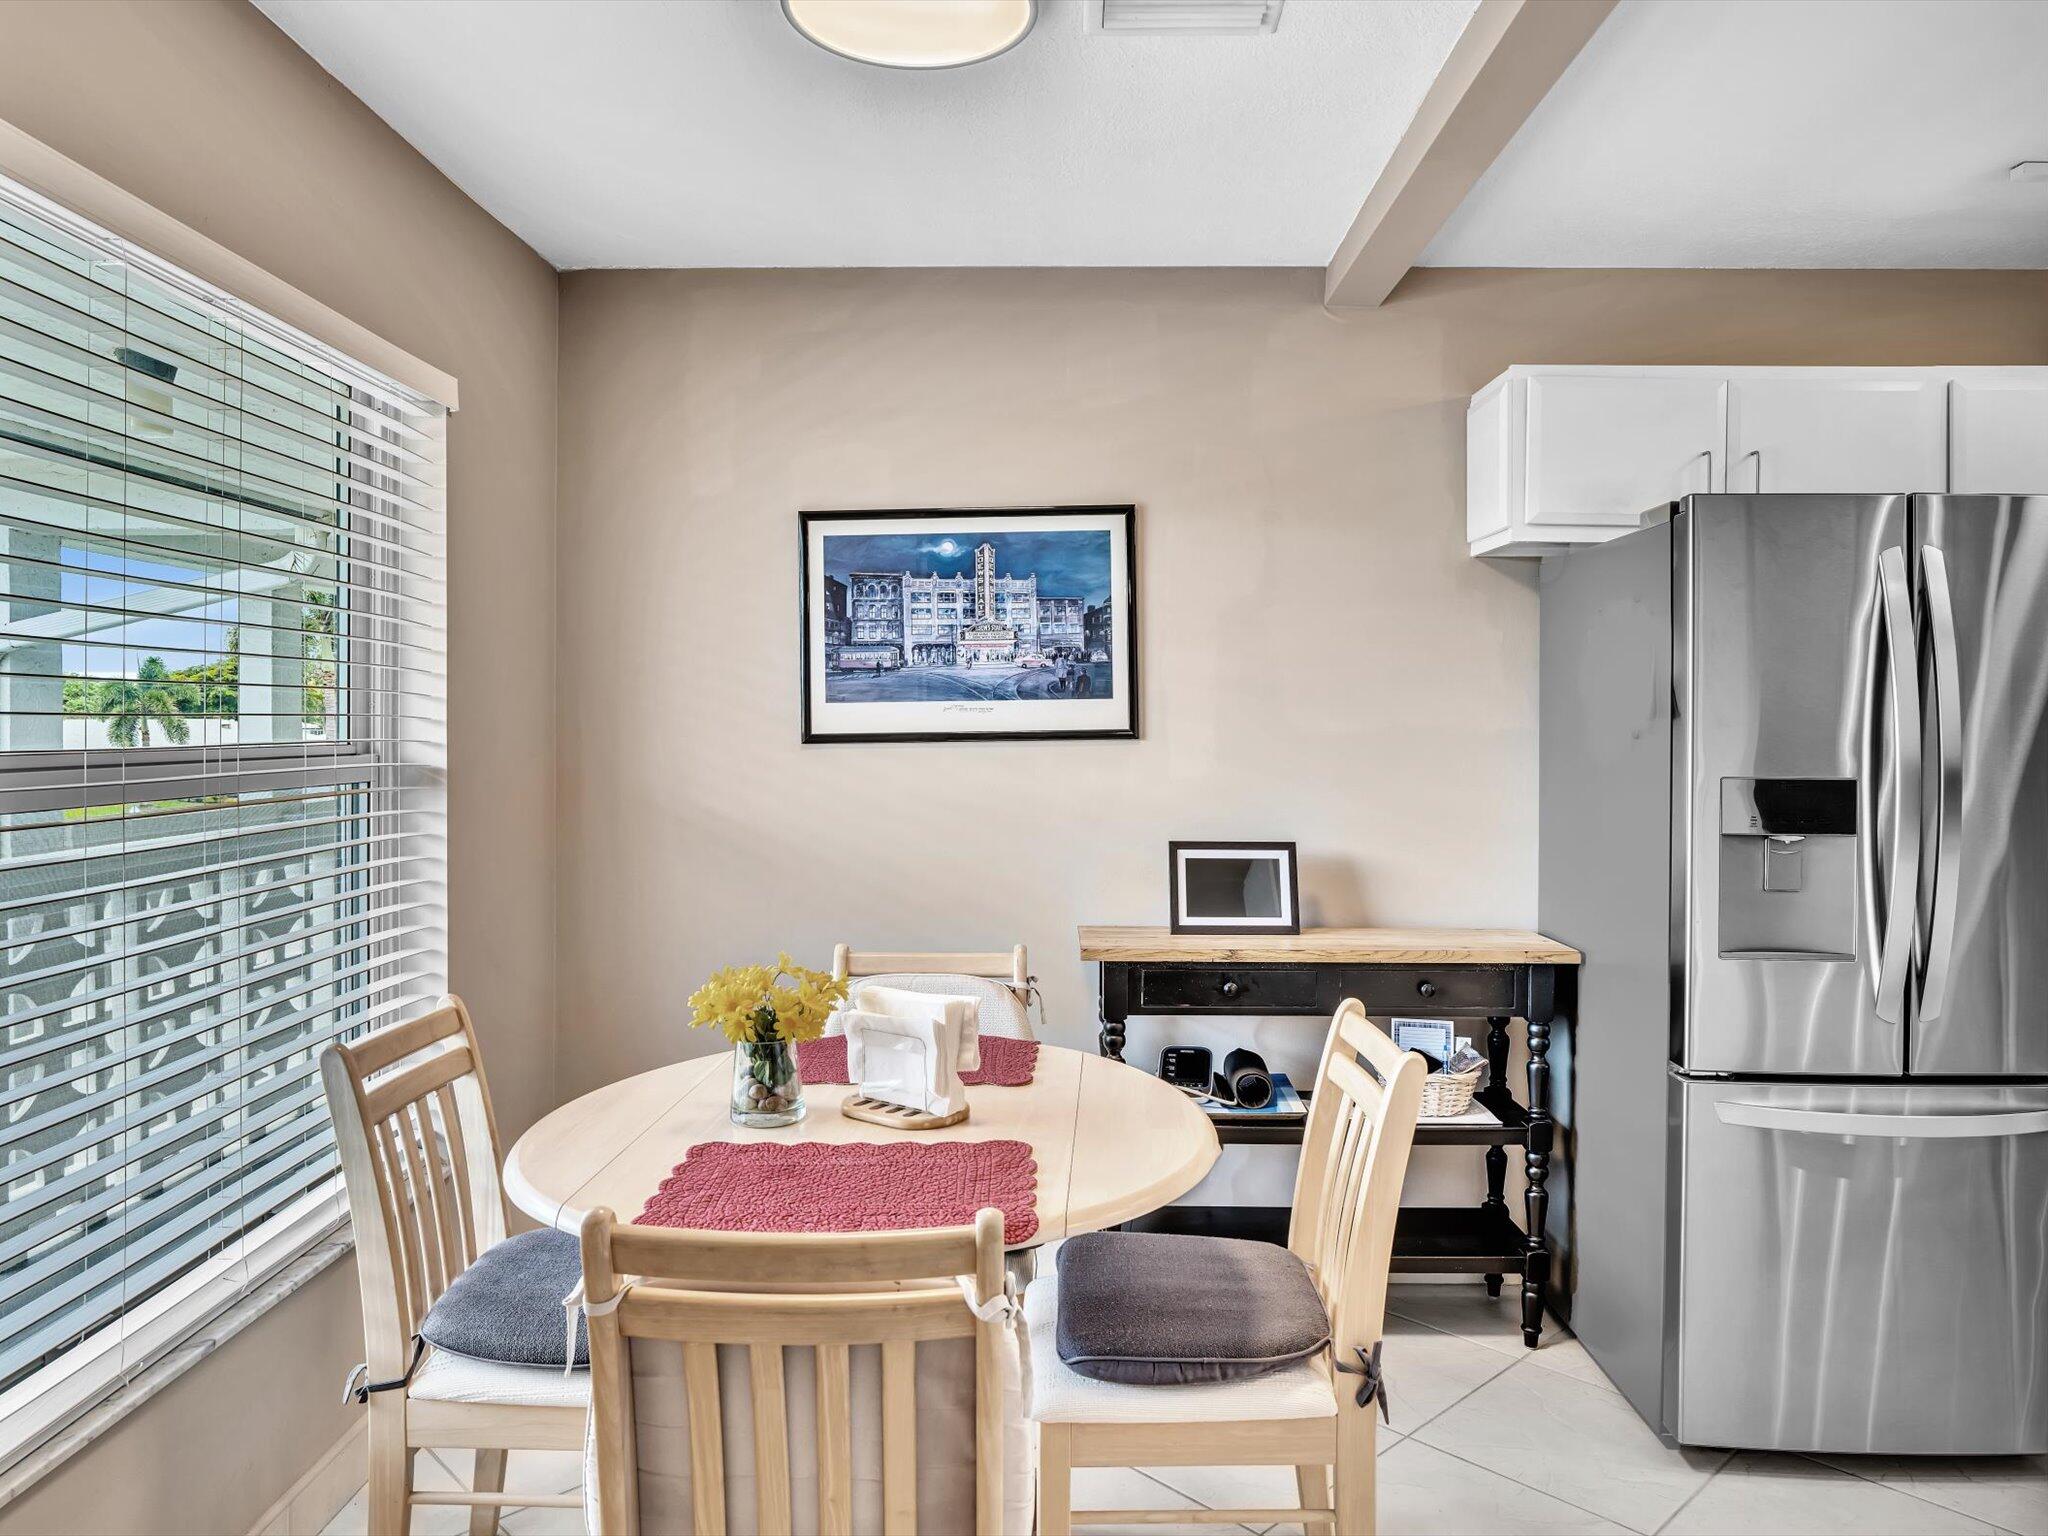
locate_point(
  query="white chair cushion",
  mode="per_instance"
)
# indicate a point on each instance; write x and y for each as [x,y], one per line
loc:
[1060,1395]
[1001,1012]
[450,1378]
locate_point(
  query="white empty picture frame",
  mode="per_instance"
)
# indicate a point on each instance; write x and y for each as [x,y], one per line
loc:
[1226,887]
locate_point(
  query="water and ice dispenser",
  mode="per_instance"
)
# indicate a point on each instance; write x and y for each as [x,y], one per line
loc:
[1788,869]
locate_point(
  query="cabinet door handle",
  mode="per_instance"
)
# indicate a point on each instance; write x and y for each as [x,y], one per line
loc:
[1758,455]
[1426,988]
[1231,989]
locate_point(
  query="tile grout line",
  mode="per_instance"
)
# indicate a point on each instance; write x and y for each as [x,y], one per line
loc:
[1182,1493]
[1878,1482]
[1447,1407]
[1560,1498]
[1727,1461]
[1200,1504]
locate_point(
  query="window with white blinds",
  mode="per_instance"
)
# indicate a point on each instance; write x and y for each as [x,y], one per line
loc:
[221,754]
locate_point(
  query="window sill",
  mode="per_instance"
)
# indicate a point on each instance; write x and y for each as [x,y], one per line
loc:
[297,1256]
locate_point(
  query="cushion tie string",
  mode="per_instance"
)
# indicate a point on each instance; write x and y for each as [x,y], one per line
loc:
[1374,1386]
[1004,1305]
[574,1303]
[356,1387]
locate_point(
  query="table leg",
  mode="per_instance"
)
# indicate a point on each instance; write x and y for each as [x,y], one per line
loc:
[1536,1199]
[1112,1007]
[1496,1155]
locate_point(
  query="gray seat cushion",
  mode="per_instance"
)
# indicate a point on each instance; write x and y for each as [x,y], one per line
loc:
[1152,1308]
[507,1306]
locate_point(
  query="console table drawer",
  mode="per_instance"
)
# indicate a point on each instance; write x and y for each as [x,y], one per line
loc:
[1385,990]
[1252,989]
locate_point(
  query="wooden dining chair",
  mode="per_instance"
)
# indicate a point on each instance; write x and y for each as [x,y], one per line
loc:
[1001,980]
[732,1371]
[1308,1416]
[420,1157]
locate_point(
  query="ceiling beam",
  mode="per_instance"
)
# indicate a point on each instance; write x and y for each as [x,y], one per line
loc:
[1506,60]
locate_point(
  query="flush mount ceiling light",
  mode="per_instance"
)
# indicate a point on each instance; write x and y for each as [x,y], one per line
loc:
[913,34]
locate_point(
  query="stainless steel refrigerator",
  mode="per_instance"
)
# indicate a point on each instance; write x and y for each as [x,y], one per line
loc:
[1795,813]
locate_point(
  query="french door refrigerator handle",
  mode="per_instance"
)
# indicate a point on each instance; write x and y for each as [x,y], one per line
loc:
[1850,1122]
[1947,709]
[1891,944]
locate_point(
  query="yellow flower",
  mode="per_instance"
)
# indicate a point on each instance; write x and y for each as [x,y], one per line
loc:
[752,1002]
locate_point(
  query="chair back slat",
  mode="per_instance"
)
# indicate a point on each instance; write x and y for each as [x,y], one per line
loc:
[411,1271]
[1354,1157]
[899,1437]
[835,1440]
[771,1437]
[419,1152]
[458,1172]
[811,1320]
[707,1438]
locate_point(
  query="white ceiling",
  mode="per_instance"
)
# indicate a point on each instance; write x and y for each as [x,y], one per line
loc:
[1778,133]
[1690,133]
[707,133]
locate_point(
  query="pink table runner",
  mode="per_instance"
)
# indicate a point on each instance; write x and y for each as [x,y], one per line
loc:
[815,1186]
[1005,1063]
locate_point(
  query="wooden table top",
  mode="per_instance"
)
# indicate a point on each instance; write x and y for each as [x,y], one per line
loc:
[1111,1142]
[1330,946]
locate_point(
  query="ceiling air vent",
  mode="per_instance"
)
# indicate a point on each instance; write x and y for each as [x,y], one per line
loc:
[1187,18]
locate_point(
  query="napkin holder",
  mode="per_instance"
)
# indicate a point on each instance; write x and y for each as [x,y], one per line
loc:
[904,1053]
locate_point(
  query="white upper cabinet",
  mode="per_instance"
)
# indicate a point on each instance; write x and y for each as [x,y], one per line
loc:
[1561,456]
[1557,456]
[1998,435]
[1605,448]
[1806,435]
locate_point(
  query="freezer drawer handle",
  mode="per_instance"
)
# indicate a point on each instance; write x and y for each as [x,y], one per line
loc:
[1851,1122]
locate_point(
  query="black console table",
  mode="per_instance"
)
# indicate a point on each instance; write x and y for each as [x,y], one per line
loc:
[1450,973]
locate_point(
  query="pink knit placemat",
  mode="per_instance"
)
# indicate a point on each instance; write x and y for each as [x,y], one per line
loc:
[816,1186]
[1005,1063]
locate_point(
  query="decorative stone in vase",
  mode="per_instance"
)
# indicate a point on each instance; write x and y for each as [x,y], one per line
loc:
[767,1088]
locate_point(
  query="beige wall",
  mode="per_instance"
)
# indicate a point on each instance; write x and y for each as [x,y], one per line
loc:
[207,111]
[1321,661]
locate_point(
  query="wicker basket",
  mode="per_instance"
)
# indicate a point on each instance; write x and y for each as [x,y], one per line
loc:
[1445,1095]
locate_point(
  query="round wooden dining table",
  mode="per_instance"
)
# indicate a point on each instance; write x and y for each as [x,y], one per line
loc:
[1111,1142]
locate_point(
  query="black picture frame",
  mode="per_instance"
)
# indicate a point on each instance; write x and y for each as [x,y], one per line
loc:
[1283,852]
[1124,597]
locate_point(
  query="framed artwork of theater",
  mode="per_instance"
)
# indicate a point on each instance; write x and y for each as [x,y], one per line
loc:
[935,625]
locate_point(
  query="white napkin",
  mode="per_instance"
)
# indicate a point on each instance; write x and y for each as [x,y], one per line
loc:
[899,1003]
[907,1047]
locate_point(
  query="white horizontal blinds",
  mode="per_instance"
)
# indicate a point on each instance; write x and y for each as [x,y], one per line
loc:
[222,651]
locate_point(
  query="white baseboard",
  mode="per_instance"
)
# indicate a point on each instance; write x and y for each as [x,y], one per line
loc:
[318,1497]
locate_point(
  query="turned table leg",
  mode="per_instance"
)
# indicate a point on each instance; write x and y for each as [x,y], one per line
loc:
[1536,1199]
[1496,1155]
[1112,1007]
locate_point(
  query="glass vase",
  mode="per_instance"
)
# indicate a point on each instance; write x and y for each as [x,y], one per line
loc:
[767,1089]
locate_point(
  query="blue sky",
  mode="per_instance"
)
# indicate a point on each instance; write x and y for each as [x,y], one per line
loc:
[1068,563]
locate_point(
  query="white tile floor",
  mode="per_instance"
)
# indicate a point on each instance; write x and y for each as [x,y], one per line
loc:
[1490,1439]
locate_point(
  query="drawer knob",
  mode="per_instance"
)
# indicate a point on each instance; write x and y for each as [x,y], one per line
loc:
[1426,988]
[1231,988]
